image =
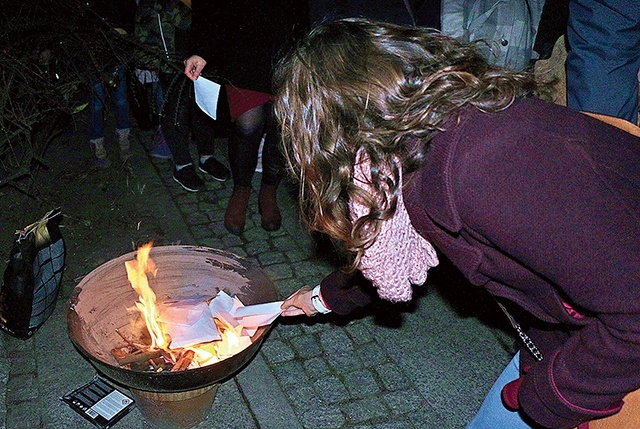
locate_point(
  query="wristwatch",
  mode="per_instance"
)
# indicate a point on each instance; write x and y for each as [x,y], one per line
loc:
[317,301]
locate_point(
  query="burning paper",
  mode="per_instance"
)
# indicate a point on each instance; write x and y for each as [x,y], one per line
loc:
[234,312]
[195,331]
[188,324]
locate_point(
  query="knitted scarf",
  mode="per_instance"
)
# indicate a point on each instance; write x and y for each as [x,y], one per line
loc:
[399,257]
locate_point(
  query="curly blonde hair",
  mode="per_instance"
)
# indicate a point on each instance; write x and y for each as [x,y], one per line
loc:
[356,85]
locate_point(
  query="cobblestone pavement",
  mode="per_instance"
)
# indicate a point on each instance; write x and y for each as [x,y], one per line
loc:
[423,365]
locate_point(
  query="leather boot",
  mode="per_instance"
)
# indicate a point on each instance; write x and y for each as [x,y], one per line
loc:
[235,216]
[268,208]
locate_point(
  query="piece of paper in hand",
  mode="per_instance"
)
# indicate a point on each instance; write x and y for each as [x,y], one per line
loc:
[259,314]
[207,93]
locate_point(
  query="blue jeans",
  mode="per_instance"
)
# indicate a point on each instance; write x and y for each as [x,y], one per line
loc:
[492,413]
[99,95]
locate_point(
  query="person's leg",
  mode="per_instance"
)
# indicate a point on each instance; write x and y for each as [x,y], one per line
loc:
[96,124]
[122,112]
[175,116]
[244,142]
[272,173]
[603,60]
[121,99]
[175,127]
[203,132]
[96,111]
[159,148]
[492,413]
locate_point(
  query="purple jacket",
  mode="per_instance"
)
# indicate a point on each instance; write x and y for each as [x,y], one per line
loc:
[540,205]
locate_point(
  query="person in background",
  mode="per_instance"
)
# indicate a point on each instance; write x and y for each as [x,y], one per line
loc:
[240,40]
[110,79]
[162,28]
[403,139]
[420,13]
[603,60]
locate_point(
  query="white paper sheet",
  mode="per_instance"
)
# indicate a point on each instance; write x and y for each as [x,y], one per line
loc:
[187,323]
[207,93]
[190,322]
[259,314]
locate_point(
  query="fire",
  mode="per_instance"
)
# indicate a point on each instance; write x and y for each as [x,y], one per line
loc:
[203,354]
[137,274]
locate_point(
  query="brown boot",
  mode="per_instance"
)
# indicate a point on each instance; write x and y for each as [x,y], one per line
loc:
[268,208]
[236,215]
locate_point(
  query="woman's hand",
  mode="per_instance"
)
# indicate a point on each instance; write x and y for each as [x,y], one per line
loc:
[299,303]
[193,66]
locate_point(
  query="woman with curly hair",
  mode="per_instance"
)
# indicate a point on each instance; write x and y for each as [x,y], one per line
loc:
[402,137]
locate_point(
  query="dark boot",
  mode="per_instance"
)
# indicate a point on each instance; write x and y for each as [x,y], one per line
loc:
[236,215]
[268,208]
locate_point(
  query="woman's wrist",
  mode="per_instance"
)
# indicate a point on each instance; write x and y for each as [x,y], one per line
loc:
[318,302]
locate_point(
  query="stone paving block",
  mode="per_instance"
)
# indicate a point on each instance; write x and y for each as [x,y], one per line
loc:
[214,243]
[228,411]
[257,246]
[302,396]
[364,409]
[358,332]
[19,365]
[198,219]
[404,401]
[307,270]
[373,354]
[317,324]
[426,416]
[277,351]
[200,231]
[331,390]
[230,241]
[5,367]
[345,361]
[285,242]
[391,377]
[277,272]
[317,368]
[301,253]
[22,416]
[335,340]
[236,250]
[286,329]
[390,424]
[271,257]
[323,418]
[291,372]
[306,346]
[22,387]
[288,286]
[218,231]
[267,402]
[361,383]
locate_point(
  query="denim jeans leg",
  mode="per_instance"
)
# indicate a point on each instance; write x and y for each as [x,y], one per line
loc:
[492,413]
[121,100]
[96,111]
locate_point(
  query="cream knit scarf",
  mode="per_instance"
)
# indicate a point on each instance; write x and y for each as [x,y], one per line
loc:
[399,257]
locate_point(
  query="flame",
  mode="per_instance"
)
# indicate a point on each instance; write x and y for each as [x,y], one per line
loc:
[137,274]
[232,342]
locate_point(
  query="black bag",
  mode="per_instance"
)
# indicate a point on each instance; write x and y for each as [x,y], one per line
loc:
[32,278]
